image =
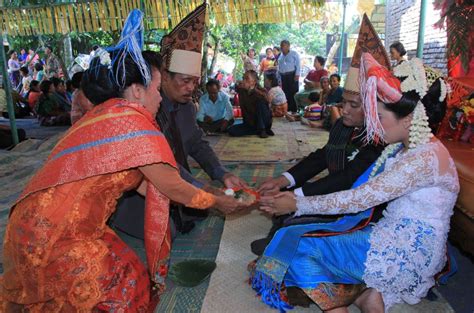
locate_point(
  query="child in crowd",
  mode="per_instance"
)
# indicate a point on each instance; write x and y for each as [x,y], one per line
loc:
[49,111]
[38,73]
[69,90]
[313,111]
[33,95]
[276,96]
[60,95]
[25,81]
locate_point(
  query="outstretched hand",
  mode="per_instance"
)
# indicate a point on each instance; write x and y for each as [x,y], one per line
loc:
[228,204]
[232,181]
[272,186]
[279,204]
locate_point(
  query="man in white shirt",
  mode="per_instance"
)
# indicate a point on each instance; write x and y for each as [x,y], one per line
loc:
[289,72]
[215,111]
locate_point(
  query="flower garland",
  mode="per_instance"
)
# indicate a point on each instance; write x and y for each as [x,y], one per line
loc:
[104,57]
[386,153]
[420,131]
[443,90]
[414,71]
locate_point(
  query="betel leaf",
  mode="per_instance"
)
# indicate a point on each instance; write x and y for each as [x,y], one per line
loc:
[191,273]
[239,193]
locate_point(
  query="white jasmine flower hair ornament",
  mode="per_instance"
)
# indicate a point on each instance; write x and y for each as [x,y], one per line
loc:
[444,90]
[414,71]
[104,57]
[414,76]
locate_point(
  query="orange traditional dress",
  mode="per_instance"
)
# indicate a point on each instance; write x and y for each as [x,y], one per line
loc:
[59,253]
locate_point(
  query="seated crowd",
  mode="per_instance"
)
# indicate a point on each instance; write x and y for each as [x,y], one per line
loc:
[320,90]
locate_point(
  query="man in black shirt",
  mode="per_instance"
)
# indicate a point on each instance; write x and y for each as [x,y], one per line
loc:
[345,155]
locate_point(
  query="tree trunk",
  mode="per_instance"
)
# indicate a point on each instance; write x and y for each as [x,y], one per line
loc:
[68,56]
[60,49]
[214,57]
[332,52]
[204,60]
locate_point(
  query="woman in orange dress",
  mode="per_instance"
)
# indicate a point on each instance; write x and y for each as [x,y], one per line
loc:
[59,253]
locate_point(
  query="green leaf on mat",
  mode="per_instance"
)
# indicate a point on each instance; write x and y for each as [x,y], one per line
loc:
[191,273]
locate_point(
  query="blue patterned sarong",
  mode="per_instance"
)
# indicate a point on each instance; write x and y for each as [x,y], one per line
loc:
[307,261]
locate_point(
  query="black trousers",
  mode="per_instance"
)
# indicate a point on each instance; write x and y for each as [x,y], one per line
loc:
[215,126]
[6,139]
[263,120]
[290,88]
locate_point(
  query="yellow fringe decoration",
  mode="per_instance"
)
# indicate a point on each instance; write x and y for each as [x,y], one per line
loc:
[79,17]
[18,21]
[87,18]
[28,29]
[56,18]
[107,15]
[71,17]
[94,15]
[104,22]
[115,15]
[49,20]
[124,12]
[65,18]
[11,22]
[165,20]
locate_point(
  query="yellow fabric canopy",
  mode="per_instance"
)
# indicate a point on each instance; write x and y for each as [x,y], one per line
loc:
[106,15]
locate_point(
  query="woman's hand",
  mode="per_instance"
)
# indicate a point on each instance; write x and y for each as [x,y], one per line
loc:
[280,204]
[213,190]
[227,204]
[142,188]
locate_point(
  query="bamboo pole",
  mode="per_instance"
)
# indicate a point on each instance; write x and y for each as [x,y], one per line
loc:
[8,93]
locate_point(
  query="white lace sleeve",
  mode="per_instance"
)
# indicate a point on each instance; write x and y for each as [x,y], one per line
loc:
[409,172]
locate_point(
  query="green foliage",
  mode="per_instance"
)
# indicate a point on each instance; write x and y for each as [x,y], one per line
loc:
[18,3]
[81,42]
[234,39]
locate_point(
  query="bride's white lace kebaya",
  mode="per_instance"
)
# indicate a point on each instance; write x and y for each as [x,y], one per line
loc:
[408,245]
[420,185]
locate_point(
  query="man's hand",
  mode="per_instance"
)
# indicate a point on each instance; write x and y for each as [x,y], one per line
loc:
[207,119]
[232,181]
[297,78]
[272,186]
[224,125]
[280,204]
[227,204]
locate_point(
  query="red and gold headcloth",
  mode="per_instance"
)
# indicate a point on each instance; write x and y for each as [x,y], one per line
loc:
[181,48]
[376,82]
[367,41]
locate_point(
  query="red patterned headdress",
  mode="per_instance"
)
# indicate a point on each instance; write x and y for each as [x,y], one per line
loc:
[181,48]
[368,41]
[376,82]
